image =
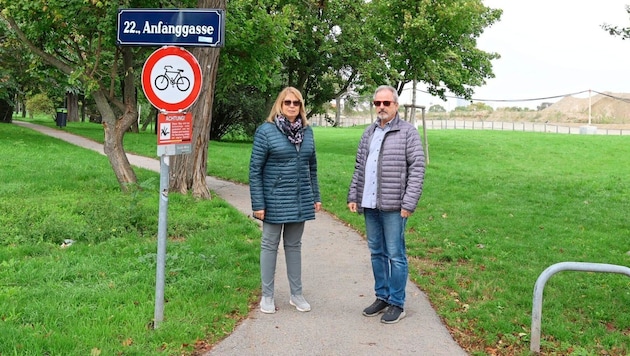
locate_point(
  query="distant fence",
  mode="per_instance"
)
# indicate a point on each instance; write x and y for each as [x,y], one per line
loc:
[520,126]
[445,124]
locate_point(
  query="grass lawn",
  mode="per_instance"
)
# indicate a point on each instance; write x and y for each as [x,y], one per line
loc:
[97,296]
[497,209]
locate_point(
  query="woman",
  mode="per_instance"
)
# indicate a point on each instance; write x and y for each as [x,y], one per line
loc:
[284,192]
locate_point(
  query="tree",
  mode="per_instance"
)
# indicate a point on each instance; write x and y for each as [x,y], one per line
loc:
[324,48]
[41,104]
[78,38]
[479,106]
[250,65]
[16,64]
[618,31]
[355,45]
[7,82]
[70,35]
[433,42]
[190,170]
[317,46]
[333,47]
[436,108]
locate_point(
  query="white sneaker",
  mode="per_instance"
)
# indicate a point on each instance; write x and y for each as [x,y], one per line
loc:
[267,305]
[299,303]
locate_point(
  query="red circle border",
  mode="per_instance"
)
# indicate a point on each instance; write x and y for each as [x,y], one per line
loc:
[146,78]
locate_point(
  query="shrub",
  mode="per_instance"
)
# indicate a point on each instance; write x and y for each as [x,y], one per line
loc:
[40,104]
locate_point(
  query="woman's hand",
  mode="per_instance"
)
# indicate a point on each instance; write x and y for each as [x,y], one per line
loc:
[259,214]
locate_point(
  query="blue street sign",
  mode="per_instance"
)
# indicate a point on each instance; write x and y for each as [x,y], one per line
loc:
[163,27]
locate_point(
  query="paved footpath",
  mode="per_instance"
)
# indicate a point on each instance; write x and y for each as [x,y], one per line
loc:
[337,280]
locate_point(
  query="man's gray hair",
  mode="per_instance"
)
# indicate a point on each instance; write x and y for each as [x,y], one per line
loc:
[387,87]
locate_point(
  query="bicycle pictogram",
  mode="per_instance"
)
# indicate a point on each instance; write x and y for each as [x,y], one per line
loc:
[178,80]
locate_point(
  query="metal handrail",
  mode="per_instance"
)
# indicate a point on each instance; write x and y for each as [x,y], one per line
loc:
[550,271]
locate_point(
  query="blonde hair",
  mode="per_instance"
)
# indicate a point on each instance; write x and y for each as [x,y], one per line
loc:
[277,106]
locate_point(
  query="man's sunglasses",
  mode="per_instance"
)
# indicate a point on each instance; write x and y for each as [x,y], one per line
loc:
[294,102]
[378,103]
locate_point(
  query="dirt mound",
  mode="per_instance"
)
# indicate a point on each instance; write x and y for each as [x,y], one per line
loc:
[605,108]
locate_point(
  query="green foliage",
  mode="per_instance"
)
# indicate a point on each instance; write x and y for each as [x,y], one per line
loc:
[251,75]
[40,104]
[8,82]
[623,32]
[6,93]
[248,71]
[251,56]
[479,106]
[437,108]
[325,49]
[515,109]
[25,73]
[240,113]
[349,105]
[74,42]
[434,42]
[334,47]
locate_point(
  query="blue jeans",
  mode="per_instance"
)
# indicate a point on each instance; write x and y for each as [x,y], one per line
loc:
[386,241]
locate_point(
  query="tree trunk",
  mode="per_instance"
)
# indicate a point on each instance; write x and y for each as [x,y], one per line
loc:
[188,172]
[72,103]
[151,118]
[82,100]
[115,128]
[21,105]
[113,148]
[6,111]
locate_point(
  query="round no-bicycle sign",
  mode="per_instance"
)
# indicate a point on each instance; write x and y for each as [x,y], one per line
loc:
[171,79]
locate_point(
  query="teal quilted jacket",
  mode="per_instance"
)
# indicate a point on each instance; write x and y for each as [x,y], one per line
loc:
[283,179]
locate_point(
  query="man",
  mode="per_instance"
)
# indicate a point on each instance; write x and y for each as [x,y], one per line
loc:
[386,187]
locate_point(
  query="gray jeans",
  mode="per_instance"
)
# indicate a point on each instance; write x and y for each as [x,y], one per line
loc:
[292,242]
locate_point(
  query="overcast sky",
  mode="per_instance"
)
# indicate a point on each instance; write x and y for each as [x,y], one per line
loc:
[551,48]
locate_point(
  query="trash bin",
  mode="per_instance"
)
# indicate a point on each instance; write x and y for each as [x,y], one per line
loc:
[62,117]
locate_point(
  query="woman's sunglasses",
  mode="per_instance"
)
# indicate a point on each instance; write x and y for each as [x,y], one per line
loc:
[294,102]
[378,103]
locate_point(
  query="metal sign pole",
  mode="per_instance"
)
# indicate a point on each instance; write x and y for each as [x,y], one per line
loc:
[161,243]
[142,27]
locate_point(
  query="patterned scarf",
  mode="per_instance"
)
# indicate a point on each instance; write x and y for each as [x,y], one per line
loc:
[293,130]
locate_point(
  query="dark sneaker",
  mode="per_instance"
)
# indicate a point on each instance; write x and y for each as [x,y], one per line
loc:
[376,308]
[393,314]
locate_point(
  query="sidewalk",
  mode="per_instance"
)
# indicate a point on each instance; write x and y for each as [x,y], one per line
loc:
[337,280]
